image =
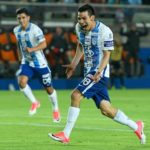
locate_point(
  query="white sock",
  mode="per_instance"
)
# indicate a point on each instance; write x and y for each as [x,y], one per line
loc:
[73,114]
[53,99]
[28,93]
[123,119]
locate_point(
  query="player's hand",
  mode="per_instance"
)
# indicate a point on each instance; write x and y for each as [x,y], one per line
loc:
[70,69]
[96,77]
[29,49]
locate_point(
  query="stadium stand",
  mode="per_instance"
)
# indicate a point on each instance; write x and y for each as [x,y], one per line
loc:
[52,15]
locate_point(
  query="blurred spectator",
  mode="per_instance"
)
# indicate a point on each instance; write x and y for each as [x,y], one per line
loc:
[70,1]
[8,53]
[135,2]
[132,62]
[84,1]
[9,61]
[48,35]
[12,38]
[146,2]
[119,16]
[98,1]
[113,1]
[4,37]
[129,12]
[116,63]
[59,48]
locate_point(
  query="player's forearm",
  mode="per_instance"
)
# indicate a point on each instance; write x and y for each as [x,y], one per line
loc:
[40,46]
[19,56]
[78,55]
[104,61]
[19,53]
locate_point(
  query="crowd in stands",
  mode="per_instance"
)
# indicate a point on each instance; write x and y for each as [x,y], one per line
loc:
[8,53]
[130,2]
[61,45]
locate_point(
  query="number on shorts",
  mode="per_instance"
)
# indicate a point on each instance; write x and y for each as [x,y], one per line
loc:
[86,81]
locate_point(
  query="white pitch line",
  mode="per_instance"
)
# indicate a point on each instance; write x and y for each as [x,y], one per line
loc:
[61,126]
[47,117]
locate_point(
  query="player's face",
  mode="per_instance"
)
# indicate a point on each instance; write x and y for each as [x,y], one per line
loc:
[86,21]
[23,20]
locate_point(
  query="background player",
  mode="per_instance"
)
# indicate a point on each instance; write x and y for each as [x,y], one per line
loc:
[96,42]
[31,43]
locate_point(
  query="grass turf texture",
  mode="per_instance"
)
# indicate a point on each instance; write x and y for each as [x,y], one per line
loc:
[18,131]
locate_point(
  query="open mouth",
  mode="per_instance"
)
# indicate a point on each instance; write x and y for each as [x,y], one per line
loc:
[84,26]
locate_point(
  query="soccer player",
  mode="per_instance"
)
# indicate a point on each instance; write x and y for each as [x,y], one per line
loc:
[96,42]
[31,43]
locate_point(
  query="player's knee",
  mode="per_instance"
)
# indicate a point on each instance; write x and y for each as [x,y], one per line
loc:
[104,112]
[74,96]
[49,90]
[75,99]
[22,83]
[107,112]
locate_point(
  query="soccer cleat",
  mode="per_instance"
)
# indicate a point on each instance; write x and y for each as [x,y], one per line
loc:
[140,133]
[56,116]
[34,107]
[60,137]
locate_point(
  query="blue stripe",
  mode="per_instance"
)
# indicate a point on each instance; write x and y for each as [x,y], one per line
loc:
[28,28]
[28,42]
[104,71]
[20,43]
[96,29]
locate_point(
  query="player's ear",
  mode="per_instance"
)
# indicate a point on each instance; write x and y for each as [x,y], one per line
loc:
[92,17]
[28,18]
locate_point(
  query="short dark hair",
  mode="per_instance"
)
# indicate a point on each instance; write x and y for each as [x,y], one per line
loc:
[87,8]
[22,10]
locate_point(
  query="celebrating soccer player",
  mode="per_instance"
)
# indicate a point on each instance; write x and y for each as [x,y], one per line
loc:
[95,40]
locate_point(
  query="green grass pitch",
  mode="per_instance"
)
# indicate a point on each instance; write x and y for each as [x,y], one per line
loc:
[18,131]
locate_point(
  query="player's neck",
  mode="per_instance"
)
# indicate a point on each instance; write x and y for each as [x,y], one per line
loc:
[25,27]
[93,25]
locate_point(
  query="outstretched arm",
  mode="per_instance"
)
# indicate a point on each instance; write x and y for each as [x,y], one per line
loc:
[19,52]
[78,55]
[71,67]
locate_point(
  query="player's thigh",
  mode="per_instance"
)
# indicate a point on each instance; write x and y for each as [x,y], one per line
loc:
[76,94]
[25,70]
[24,73]
[22,80]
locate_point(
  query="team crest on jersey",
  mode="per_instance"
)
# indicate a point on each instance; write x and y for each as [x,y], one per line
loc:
[94,40]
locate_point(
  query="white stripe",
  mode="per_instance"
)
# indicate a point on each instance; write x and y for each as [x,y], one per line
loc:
[61,126]
[88,87]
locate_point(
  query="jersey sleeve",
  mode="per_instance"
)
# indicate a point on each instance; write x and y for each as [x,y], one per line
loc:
[108,42]
[15,31]
[38,33]
[77,30]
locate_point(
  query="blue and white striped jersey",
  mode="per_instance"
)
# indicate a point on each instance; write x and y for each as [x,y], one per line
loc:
[31,37]
[94,43]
